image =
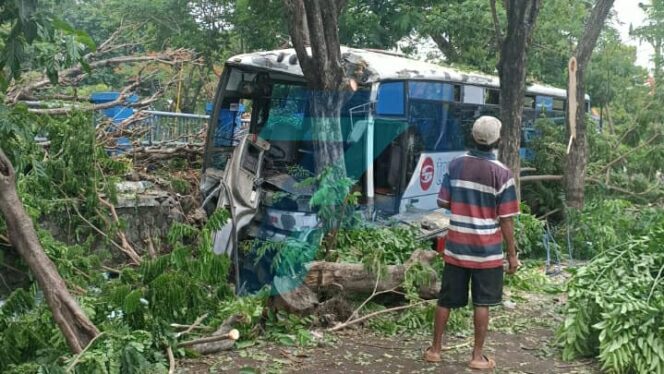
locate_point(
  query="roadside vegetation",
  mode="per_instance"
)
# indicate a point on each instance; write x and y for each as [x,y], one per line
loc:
[600,268]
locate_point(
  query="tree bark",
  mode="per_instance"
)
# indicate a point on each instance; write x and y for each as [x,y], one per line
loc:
[521,19]
[314,24]
[73,323]
[326,131]
[355,278]
[451,54]
[578,154]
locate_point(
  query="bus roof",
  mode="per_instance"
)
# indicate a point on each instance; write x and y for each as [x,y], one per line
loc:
[383,65]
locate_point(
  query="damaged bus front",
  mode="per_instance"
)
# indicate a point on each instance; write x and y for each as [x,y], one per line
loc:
[404,123]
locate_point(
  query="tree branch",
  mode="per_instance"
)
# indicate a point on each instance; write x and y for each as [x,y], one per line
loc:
[496,25]
[299,31]
[371,315]
[169,57]
[617,159]
[445,46]
[592,31]
[65,110]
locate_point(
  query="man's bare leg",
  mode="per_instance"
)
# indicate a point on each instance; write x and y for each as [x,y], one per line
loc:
[481,321]
[439,324]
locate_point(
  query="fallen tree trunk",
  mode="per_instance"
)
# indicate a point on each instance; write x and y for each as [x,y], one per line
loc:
[355,278]
[68,315]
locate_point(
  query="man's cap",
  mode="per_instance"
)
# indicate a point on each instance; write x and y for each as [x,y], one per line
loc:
[486,130]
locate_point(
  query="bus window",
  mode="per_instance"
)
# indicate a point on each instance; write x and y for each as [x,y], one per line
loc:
[492,97]
[391,99]
[441,126]
[543,103]
[529,102]
[432,91]
[559,105]
[473,95]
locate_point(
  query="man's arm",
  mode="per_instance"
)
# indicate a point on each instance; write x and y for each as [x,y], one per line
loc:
[444,204]
[507,228]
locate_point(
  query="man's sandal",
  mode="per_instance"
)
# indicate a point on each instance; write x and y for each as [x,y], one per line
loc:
[429,356]
[486,364]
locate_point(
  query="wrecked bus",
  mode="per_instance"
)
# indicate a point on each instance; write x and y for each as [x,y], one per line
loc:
[401,127]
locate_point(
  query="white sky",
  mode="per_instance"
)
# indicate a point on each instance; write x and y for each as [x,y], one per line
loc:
[628,12]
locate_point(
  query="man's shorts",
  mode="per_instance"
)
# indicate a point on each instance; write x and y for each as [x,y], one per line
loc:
[486,286]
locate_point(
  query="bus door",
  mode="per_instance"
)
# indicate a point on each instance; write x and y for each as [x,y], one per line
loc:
[436,135]
[389,125]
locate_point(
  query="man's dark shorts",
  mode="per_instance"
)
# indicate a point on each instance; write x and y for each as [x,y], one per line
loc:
[486,286]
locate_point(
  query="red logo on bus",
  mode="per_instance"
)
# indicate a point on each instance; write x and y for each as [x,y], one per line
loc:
[426,174]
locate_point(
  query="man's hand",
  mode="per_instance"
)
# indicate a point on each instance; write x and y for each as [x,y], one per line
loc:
[513,264]
[507,228]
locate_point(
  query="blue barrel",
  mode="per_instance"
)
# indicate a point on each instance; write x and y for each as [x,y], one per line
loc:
[117,113]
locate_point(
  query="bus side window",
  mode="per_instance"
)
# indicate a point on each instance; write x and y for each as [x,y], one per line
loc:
[391,99]
[543,103]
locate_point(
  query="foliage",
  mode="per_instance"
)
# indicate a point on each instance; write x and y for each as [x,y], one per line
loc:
[614,307]
[531,278]
[529,233]
[250,309]
[289,329]
[417,320]
[603,224]
[33,37]
[134,308]
[66,180]
[653,32]
[377,246]
[335,204]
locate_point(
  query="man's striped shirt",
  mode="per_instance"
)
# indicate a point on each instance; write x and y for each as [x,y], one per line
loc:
[480,191]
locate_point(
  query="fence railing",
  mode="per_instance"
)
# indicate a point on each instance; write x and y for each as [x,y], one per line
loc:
[173,128]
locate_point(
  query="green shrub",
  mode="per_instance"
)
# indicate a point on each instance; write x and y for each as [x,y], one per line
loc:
[614,310]
[603,224]
[529,233]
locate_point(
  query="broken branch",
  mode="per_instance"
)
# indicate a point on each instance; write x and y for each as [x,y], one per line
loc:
[193,326]
[128,249]
[374,314]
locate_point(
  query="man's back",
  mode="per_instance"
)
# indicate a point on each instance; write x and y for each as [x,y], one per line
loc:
[479,190]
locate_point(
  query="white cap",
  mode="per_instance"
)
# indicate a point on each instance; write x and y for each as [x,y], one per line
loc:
[486,130]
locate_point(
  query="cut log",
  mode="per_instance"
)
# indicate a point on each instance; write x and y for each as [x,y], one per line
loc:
[221,340]
[355,278]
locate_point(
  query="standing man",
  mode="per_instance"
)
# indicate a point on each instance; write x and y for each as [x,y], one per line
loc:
[480,193]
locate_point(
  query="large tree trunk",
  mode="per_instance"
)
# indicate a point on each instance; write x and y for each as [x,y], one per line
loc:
[521,19]
[314,24]
[327,137]
[75,326]
[578,155]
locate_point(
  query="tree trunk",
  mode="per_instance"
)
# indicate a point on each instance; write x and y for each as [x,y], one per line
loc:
[512,71]
[314,24]
[355,278]
[577,158]
[326,131]
[73,323]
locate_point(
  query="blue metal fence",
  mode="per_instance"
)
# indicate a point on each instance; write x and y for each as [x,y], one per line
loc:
[165,128]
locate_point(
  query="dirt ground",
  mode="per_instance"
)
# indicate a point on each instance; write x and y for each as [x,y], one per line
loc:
[521,340]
